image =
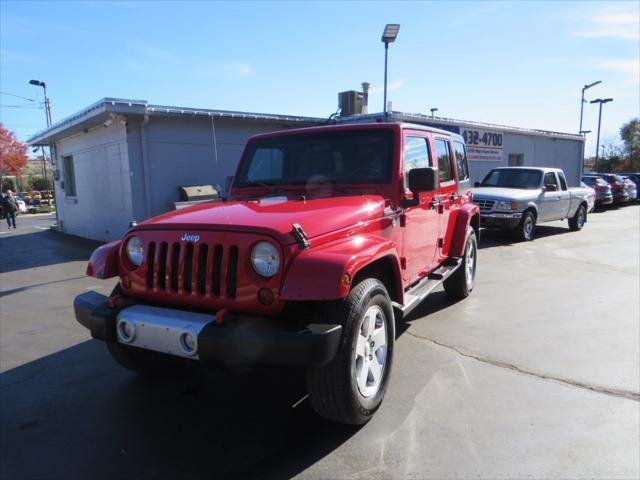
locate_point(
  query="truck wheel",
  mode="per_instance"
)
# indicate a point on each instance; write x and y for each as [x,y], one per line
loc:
[460,283]
[527,227]
[350,389]
[144,361]
[578,220]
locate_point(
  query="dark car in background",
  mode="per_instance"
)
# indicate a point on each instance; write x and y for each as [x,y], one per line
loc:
[618,187]
[604,196]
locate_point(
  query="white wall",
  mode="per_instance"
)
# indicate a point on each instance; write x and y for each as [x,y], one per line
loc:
[537,151]
[102,207]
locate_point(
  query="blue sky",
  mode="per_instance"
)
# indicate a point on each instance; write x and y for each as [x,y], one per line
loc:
[512,63]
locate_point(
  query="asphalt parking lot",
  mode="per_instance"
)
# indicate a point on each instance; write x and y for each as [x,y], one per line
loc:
[535,375]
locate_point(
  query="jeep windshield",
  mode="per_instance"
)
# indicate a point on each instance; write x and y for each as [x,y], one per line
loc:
[348,157]
[516,178]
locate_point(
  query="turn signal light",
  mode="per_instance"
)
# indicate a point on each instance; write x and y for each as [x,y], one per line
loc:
[265,296]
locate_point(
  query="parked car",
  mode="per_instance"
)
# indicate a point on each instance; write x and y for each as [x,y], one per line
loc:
[518,198]
[328,233]
[632,189]
[591,197]
[602,189]
[618,187]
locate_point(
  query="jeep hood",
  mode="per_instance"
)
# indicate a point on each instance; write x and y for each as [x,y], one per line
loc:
[273,216]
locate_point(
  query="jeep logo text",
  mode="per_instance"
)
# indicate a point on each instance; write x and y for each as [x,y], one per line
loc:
[190,238]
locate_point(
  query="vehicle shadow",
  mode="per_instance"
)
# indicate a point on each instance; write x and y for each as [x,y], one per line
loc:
[41,249]
[490,237]
[76,414]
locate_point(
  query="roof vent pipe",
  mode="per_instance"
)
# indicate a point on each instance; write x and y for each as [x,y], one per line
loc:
[365,95]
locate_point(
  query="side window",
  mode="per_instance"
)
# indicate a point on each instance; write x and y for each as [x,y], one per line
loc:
[444,160]
[416,155]
[550,179]
[266,165]
[69,176]
[461,161]
[563,181]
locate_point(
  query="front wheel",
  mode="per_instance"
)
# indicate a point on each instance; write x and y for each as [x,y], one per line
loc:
[578,220]
[527,227]
[460,283]
[350,389]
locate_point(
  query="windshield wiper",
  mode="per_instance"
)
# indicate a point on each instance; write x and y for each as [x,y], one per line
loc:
[271,188]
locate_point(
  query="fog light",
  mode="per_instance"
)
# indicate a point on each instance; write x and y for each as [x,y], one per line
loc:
[265,296]
[126,331]
[188,343]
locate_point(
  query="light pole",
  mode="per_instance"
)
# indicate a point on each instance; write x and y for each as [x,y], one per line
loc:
[600,101]
[583,101]
[433,110]
[47,104]
[388,36]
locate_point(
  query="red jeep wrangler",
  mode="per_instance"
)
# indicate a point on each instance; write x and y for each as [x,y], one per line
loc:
[329,235]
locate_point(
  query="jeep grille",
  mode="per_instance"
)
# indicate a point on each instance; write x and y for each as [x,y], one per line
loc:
[187,268]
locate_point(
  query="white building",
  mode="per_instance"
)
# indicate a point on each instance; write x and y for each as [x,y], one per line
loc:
[123,160]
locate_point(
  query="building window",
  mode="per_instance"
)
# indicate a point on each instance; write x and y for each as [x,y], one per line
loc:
[69,176]
[416,155]
[516,160]
[461,161]
[444,161]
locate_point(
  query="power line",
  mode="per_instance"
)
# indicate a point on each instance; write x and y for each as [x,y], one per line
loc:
[22,106]
[17,96]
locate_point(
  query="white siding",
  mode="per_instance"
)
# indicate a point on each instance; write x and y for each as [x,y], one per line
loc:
[102,208]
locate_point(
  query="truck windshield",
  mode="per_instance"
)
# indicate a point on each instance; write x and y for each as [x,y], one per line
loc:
[346,157]
[516,178]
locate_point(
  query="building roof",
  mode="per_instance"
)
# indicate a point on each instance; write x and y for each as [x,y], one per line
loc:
[102,109]
[452,122]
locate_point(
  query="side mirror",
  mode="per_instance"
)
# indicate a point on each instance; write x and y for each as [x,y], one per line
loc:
[477,184]
[421,180]
[550,187]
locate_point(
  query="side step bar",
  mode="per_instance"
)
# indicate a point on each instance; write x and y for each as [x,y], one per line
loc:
[418,292]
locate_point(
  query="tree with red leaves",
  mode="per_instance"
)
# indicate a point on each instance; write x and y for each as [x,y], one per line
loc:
[13,153]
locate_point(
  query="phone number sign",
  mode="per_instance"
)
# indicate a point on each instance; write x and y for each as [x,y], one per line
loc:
[483,145]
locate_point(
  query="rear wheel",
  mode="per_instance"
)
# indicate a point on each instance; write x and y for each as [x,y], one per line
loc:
[527,227]
[350,389]
[460,283]
[578,220]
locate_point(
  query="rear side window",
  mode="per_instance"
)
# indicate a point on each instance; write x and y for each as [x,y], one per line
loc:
[461,161]
[550,179]
[563,181]
[444,161]
[416,155]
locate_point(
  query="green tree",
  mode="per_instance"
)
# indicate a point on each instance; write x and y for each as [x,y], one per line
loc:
[630,133]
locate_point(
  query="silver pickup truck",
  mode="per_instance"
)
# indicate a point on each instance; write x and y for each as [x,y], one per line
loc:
[517,198]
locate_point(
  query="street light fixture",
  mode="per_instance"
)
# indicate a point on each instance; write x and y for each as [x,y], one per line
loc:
[433,110]
[583,101]
[47,104]
[600,101]
[388,36]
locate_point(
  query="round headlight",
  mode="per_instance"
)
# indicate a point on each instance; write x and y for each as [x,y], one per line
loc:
[135,251]
[265,259]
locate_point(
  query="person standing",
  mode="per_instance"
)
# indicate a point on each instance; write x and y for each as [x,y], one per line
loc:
[10,207]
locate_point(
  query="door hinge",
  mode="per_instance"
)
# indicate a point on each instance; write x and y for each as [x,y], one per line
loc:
[403,263]
[440,242]
[300,236]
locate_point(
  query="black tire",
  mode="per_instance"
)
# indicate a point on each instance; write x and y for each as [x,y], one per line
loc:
[334,389]
[460,283]
[527,227]
[144,361]
[578,220]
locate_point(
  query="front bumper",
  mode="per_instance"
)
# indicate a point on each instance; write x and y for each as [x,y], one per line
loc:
[500,220]
[241,341]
